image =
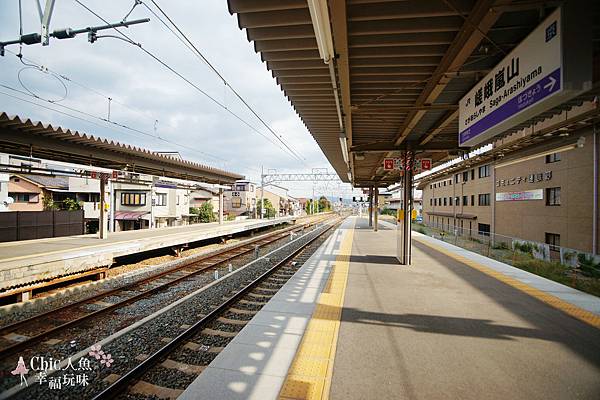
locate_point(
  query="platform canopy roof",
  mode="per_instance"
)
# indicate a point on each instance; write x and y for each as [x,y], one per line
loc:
[22,136]
[400,68]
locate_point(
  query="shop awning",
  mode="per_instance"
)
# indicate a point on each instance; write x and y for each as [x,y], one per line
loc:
[129,215]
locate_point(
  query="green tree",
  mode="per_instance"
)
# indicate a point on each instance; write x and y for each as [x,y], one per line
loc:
[70,204]
[307,206]
[324,204]
[269,209]
[204,213]
[48,203]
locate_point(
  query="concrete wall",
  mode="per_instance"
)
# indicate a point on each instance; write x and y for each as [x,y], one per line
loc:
[527,219]
[4,178]
[20,185]
[572,220]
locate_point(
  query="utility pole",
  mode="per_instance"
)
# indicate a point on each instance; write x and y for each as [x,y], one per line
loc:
[67,33]
[220,205]
[103,233]
[262,191]
[376,208]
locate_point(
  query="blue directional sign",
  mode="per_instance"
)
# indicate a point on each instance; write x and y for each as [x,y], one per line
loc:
[518,88]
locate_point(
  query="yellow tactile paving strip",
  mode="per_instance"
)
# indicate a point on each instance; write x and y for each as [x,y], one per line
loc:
[574,311]
[309,376]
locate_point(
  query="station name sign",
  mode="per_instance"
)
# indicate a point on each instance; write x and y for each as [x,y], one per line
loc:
[531,79]
[537,194]
[527,75]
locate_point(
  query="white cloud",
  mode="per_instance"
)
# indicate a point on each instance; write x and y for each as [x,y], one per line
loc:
[144,91]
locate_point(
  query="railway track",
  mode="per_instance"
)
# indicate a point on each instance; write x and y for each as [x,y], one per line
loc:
[199,344]
[207,303]
[45,327]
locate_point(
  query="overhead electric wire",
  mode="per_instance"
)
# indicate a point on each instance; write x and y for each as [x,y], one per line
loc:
[34,63]
[203,58]
[100,94]
[164,64]
[123,126]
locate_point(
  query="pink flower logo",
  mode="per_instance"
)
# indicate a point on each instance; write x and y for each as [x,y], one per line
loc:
[96,351]
[107,360]
[21,370]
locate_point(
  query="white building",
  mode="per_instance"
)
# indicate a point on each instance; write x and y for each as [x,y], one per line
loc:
[241,199]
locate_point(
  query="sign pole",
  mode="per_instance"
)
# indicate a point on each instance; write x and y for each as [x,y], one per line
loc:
[103,232]
[370,207]
[220,205]
[376,208]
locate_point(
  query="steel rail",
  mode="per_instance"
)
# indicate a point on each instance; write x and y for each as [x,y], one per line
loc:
[120,385]
[7,351]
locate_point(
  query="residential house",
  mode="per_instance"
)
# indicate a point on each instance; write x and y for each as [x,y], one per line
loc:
[241,199]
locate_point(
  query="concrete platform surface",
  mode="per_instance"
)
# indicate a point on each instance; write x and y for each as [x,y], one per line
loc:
[27,261]
[256,362]
[443,329]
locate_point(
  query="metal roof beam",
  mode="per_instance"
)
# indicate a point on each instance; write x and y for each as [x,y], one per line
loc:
[384,147]
[406,9]
[245,6]
[298,16]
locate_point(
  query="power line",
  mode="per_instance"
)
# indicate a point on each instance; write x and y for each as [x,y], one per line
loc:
[61,76]
[164,64]
[203,58]
[123,126]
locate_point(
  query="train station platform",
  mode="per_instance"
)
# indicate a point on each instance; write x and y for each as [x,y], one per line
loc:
[354,324]
[29,261]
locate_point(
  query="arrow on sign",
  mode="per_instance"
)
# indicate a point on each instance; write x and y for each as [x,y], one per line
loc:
[550,85]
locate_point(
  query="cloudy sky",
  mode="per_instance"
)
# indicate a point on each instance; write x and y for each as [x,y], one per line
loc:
[143,91]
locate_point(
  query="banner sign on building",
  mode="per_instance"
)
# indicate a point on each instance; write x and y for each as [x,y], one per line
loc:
[528,81]
[425,164]
[388,164]
[537,194]
[405,163]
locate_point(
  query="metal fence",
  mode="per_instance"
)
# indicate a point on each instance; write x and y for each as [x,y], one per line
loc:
[510,250]
[27,225]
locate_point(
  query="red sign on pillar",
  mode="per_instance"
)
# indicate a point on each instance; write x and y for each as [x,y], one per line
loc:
[388,164]
[426,164]
[93,174]
[115,174]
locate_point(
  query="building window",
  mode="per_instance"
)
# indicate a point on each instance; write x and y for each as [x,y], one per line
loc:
[484,229]
[456,178]
[484,199]
[465,202]
[24,197]
[553,196]
[435,202]
[430,186]
[457,201]
[472,199]
[554,157]
[444,183]
[133,199]
[161,199]
[553,239]
[450,200]
[472,174]
[466,176]
[450,182]
[445,202]
[430,202]
[484,171]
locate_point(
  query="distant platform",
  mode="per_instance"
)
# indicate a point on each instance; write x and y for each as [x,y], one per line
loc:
[354,324]
[29,261]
